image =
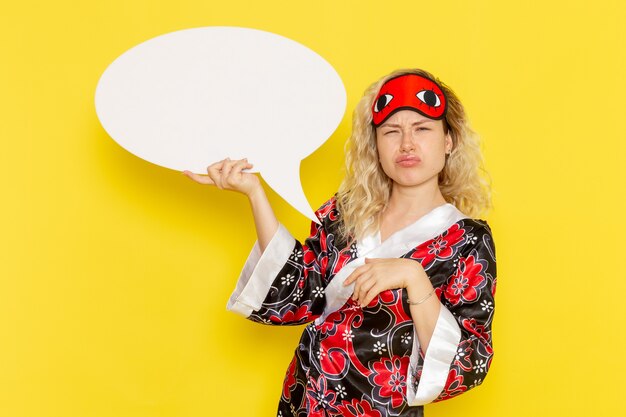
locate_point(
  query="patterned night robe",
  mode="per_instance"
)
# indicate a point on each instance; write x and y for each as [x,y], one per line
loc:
[354,361]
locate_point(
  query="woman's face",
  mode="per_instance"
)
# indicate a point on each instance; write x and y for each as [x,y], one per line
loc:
[412,148]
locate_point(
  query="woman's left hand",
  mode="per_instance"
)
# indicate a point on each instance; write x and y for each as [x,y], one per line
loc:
[380,274]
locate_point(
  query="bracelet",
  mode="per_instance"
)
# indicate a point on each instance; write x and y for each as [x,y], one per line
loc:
[422,300]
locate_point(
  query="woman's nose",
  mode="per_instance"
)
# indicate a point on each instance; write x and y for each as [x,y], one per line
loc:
[407,142]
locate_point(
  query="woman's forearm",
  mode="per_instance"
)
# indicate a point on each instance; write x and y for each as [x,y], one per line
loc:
[425,317]
[425,314]
[264,218]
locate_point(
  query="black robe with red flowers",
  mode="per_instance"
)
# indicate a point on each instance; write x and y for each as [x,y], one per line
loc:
[354,361]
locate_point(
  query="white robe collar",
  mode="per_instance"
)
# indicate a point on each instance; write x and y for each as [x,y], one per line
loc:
[433,223]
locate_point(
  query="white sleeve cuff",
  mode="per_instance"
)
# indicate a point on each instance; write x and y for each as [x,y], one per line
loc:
[259,272]
[437,361]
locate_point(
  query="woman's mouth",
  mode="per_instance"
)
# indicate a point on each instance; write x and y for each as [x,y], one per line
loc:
[408,161]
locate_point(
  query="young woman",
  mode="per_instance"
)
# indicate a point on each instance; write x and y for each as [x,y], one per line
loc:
[397,281]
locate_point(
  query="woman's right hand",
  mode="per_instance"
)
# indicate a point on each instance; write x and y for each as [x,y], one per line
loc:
[227,175]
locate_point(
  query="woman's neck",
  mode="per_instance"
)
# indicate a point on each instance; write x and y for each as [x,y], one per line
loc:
[405,206]
[411,202]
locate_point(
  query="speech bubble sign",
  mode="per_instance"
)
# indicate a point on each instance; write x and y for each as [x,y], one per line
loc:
[193,97]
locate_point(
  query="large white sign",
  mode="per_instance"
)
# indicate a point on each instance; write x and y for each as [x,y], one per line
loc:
[186,99]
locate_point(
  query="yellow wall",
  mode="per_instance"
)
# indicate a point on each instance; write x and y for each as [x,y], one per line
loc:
[114,273]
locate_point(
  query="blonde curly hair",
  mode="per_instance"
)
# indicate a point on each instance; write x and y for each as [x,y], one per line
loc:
[366,189]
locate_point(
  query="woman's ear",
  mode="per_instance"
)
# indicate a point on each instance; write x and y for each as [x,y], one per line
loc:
[449,142]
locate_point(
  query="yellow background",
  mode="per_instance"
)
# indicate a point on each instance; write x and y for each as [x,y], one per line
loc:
[114,273]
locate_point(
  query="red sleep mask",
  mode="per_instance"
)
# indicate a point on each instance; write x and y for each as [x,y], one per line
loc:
[409,92]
